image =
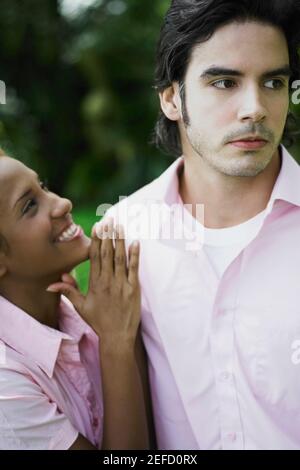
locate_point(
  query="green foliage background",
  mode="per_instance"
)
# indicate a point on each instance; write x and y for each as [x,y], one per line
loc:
[80,103]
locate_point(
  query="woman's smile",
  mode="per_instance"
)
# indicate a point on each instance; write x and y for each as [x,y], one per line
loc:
[70,233]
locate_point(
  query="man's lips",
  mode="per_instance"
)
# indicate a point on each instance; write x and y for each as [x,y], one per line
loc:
[249,143]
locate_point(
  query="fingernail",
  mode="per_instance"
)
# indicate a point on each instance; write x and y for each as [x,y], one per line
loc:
[51,289]
[97,230]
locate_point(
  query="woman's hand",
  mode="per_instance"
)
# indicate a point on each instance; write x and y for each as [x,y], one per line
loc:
[113,302]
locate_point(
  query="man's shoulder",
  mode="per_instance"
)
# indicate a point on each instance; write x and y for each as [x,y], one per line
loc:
[150,193]
[135,204]
[143,194]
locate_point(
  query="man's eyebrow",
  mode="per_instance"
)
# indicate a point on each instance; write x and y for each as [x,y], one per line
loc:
[27,192]
[211,72]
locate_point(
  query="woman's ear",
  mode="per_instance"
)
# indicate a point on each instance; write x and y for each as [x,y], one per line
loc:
[170,102]
[3,267]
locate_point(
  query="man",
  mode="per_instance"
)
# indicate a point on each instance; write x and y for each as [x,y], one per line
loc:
[221,310]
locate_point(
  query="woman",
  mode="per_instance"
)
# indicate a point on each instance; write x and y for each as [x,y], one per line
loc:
[52,394]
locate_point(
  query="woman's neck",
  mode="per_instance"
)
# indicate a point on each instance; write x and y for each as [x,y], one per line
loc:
[35,301]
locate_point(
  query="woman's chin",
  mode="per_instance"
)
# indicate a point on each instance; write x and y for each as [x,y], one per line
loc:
[80,255]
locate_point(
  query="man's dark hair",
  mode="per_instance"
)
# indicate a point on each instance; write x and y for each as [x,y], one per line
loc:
[191,22]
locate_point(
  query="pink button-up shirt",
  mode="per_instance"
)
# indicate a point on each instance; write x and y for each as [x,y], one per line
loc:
[50,387]
[224,354]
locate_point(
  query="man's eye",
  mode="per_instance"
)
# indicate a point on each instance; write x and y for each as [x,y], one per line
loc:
[274,84]
[223,84]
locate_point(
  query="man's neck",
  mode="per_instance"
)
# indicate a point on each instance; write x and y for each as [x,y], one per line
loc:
[228,201]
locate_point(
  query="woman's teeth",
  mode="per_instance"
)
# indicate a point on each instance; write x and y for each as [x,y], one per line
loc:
[68,234]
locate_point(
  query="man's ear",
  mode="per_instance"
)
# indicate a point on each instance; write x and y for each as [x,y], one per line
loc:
[170,102]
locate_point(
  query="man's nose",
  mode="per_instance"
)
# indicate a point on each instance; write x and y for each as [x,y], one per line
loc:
[60,207]
[252,105]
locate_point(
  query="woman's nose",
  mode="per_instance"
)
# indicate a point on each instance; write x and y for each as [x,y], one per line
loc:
[61,206]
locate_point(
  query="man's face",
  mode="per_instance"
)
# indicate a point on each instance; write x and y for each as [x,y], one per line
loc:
[31,220]
[250,98]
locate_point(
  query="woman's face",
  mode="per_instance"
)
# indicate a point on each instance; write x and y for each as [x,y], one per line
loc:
[34,221]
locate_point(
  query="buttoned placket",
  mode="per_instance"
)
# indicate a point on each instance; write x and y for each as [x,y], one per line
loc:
[222,347]
[222,343]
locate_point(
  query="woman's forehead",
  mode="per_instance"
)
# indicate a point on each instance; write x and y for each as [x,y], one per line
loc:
[13,174]
[12,170]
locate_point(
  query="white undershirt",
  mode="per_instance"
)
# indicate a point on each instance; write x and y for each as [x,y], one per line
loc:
[223,245]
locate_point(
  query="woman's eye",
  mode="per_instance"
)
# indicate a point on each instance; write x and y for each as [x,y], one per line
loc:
[33,202]
[223,84]
[29,205]
[276,84]
[44,186]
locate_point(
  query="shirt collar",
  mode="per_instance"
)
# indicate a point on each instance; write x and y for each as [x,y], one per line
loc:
[36,341]
[286,188]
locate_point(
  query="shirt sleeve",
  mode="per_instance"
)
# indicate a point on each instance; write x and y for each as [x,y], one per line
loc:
[28,419]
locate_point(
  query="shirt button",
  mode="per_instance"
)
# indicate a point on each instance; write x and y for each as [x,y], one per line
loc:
[231,436]
[224,377]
